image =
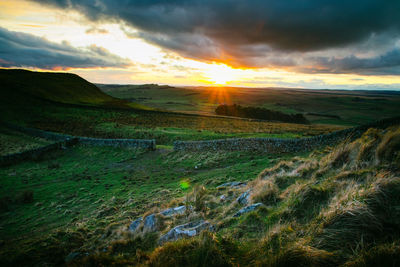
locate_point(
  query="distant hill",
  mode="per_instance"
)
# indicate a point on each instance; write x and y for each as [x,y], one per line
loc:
[20,86]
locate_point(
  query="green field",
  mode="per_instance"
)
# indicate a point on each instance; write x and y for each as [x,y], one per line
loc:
[352,107]
[114,118]
[90,189]
[335,206]
[12,141]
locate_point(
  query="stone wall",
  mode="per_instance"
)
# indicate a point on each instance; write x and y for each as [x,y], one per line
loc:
[277,145]
[36,152]
[136,143]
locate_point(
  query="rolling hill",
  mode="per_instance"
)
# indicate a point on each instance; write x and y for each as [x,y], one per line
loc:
[30,87]
[335,107]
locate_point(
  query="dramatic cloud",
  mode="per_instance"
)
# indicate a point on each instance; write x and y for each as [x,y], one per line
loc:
[95,30]
[388,63]
[25,50]
[257,33]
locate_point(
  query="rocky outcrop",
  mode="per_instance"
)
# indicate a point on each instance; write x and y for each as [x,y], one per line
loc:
[244,198]
[186,230]
[232,184]
[279,145]
[149,223]
[174,211]
[135,224]
[247,209]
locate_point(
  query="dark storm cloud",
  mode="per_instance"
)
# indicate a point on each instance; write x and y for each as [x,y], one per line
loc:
[246,33]
[25,50]
[385,64]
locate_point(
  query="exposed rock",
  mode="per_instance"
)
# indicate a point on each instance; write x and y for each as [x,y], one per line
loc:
[135,224]
[247,209]
[186,230]
[150,223]
[174,211]
[232,184]
[243,199]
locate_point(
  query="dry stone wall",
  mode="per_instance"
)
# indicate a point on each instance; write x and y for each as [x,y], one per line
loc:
[149,144]
[277,145]
[35,153]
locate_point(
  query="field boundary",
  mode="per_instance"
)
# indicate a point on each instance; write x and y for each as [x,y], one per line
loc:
[270,145]
[149,144]
[35,153]
[278,145]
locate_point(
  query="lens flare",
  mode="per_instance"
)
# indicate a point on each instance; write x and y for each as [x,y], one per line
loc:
[184,184]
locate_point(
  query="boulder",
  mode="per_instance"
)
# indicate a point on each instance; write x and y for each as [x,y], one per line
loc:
[247,209]
[186,230]
[150,223]
[174,211]
[135,224]
[232,184]
[243,199]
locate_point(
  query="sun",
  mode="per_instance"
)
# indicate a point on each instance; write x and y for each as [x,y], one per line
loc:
[221,74]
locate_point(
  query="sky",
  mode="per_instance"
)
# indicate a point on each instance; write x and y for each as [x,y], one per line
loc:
[317,44]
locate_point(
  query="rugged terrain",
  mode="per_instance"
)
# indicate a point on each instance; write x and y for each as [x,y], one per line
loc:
[102,205]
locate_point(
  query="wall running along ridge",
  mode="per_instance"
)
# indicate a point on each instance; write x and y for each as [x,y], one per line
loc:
[36,152]
[149,144]
[278,145]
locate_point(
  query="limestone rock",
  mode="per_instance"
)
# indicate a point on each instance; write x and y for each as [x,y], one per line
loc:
[243,199]
[186,230]
[247,209]
[150,223]
[135,224]
[174,211]
[232,184]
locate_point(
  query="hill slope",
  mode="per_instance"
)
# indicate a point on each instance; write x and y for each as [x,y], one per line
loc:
[20,86]
[336,107]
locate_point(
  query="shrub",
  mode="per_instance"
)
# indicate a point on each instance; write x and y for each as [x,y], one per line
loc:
[381,255]
[301,255]
[266,192]
[204,250]
[389,148]
[259,113]
[198,197]
[143,243]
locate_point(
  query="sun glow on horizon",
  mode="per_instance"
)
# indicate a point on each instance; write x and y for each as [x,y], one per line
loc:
[221,74]
[155,64]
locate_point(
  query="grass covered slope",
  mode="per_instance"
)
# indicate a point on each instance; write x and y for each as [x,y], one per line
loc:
[19,86]
[14,142]
[337,107]
[338,207]
[76,199]
[68,104]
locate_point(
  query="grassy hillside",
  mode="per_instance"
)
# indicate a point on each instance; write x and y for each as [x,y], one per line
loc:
[68,104]
[21,85]
[341,107]
[334,206]
[337,206]
[13,141]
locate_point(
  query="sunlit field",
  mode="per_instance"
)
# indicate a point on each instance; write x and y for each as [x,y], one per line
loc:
[216,133]
[320,107]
